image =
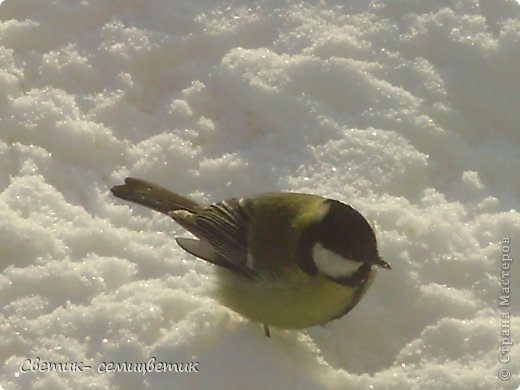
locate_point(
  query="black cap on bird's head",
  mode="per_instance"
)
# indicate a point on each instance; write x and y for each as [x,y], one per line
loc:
[346,232]
[339,243]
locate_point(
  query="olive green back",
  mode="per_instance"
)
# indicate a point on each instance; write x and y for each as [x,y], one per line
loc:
[278,222]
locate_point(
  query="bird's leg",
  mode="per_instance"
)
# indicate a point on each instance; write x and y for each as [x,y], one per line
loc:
[267,331]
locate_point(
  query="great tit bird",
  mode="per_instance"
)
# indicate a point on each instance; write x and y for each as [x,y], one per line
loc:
[285,260]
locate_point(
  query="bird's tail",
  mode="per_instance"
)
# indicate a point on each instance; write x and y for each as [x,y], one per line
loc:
[153,196]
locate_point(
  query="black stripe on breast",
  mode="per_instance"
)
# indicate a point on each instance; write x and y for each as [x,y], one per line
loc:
[361,281]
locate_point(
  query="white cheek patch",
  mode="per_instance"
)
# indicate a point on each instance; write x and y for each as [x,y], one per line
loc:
[324,210]
[332,264]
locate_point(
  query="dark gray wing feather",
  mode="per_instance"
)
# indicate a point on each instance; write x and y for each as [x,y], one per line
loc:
[203,250]
[224,226]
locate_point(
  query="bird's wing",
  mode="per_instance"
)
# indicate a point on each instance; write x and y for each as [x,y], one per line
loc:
[203,250]
[224,226]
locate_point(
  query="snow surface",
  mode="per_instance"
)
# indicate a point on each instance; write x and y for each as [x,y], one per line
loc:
[408,110]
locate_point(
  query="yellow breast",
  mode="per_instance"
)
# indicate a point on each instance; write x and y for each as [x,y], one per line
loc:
[299,301]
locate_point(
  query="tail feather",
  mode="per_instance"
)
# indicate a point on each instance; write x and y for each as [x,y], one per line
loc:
[153,196]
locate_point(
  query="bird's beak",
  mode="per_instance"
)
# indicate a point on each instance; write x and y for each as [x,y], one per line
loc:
[381,263]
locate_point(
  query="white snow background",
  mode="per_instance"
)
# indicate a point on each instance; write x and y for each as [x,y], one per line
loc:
[408,110]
